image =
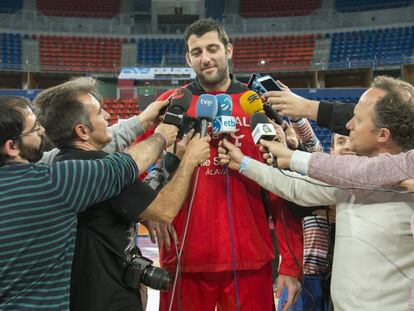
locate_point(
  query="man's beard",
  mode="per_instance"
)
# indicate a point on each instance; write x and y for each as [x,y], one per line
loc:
[31,153]
[220,77]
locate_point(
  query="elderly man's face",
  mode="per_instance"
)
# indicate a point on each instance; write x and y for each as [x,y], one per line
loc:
[363,133]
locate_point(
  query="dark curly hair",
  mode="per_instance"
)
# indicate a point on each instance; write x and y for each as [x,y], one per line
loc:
[202,26]
[395,111]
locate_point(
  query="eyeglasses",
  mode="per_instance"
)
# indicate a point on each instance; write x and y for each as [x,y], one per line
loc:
[36,128]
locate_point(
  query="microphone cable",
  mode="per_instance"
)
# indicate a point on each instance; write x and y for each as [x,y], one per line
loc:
[233,248]
[177,279]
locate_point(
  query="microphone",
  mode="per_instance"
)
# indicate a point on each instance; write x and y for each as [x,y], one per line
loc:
[261,128]
[206,111]
[179,103]
[251,103]
[224,123]
[272,114]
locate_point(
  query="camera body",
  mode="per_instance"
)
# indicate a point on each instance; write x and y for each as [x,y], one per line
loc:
[139,269]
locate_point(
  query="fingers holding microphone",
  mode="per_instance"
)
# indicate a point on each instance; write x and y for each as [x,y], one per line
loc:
[229,154]
[198,149]
[277,150]
[168,132]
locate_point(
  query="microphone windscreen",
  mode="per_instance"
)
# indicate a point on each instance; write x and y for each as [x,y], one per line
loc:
[250,102]
[206,107]
[182,97]
[261,128]
[225,105]
[257,118]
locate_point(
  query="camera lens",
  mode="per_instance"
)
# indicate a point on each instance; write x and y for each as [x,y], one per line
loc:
[156,278]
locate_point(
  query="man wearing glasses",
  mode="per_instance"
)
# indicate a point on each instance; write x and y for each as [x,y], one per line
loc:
[39,206]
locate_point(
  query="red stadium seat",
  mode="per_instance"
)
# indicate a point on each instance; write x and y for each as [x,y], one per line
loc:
[291,52]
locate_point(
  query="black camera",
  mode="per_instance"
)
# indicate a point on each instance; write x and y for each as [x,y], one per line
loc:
[140,270]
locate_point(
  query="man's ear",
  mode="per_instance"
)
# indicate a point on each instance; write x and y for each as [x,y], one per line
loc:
[384,135]
[187,59]
[82,132]
[11,148]
[229,51]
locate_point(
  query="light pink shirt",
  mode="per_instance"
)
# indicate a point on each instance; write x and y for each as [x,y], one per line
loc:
[359,171]
[411,304]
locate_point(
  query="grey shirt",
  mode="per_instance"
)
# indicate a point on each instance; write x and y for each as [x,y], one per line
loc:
[123,134]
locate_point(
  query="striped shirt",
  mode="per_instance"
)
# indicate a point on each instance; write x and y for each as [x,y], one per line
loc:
[316,245]
[38,211]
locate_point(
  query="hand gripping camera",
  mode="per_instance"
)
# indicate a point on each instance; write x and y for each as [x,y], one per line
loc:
[140,270]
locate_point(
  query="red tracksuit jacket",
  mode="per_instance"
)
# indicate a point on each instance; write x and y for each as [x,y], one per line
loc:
[208,244]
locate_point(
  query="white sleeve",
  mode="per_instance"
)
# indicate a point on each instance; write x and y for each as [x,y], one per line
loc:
[291,186]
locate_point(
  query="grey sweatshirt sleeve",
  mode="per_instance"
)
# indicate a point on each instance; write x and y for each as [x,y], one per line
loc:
[124,134]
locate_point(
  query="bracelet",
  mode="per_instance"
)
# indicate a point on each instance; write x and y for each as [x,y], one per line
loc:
[244,163]
[164,138]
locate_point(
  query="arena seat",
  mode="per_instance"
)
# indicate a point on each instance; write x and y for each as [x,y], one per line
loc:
[368,5]
[71,53]
[290,52]
[153,51]
[11,6]
[269,8]
[121,108]
[11,51]
[367,48]
[79,8]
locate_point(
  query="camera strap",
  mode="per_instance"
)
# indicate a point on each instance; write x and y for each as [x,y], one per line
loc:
[129,278]
[104,243]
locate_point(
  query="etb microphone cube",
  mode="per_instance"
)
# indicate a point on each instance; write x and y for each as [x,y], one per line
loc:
[224,124]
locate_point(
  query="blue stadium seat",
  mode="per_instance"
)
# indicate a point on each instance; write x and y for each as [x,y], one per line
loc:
[153,51]
[11,51]
[369,48]
[367,5]
[11,6]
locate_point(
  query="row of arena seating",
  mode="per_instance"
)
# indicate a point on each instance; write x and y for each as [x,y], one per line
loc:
[77,53]
[11,51]
[79,8]
[277,53]
[11,6]
[366,48]
[274,8]
[269,8]
[151,51]
[248,9]
[120,108]
[290,52]
[368,5]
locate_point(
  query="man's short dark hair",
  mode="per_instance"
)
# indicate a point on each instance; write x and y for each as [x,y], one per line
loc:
[59,109]
[16,102]
[11,127]
[395,111]
[202,26]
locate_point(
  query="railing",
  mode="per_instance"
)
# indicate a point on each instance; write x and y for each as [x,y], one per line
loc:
[318,64]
